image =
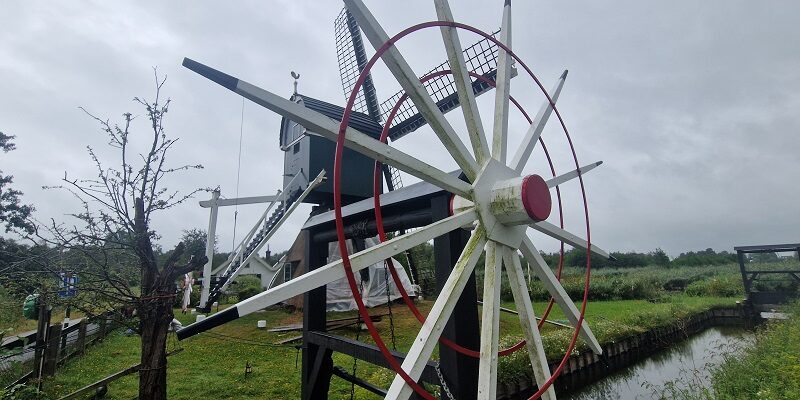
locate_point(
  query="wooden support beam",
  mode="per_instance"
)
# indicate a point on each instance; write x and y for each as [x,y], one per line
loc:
[314,319]
[102,382]
[366,352]
[105,381]
[461,371]
[341,373]
[321,371]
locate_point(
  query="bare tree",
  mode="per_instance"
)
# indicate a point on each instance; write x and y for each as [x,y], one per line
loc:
[111,237]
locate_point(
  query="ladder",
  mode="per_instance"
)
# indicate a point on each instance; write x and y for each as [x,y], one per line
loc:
[256,239]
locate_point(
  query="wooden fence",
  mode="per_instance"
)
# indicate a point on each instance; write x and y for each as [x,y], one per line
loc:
[51,345]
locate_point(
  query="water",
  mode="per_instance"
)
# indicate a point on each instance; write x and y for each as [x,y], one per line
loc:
[689,359]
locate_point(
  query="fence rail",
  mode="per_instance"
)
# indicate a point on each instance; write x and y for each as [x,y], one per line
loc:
[39,353]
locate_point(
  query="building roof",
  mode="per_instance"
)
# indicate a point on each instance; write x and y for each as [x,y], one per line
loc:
[358,121]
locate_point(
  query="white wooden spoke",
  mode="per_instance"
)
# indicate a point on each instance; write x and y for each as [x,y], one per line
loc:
[553,182]
[566,237]
[428,336]
[527,318]
[466,96]
[416,91]
[490,322]
[553,286]
[358,261]
[502,89]
[329,128]
[535,130]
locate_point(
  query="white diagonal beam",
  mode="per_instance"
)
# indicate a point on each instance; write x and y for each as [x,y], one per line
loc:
[566,237]
[333,271]
[502,89]
[329,128]
[466,95]
[239,201]
[416,91]
[553,286]
[490,322]
[527,318]
[535,130]
[553,182]
[428,336]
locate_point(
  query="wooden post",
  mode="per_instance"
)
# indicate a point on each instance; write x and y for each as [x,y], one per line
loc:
[64,336]
[317,361]
[746,282]
[210,235]
[41,340]
[460,371]
[102,319]
[51,350]
[80,343]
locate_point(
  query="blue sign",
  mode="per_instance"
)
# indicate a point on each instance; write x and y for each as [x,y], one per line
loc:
[68,287]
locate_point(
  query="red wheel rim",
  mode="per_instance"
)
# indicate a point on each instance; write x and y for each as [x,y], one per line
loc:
[340,223]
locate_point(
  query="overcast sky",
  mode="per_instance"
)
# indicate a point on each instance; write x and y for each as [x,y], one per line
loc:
[693,106]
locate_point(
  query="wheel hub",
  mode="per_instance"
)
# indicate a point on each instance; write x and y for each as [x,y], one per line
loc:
[506,202]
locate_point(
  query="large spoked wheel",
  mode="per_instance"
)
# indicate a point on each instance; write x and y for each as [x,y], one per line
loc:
[498,204]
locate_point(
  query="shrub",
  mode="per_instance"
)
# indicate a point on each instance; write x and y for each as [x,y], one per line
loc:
[245,287]
[725,286]
[23,392]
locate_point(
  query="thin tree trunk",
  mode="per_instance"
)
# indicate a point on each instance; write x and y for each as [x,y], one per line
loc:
[155,316]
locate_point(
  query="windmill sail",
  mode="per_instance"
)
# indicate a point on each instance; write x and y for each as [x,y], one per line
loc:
[481,58]
[352,59]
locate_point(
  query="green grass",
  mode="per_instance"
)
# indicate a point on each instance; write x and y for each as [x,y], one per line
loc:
[212,367]
[649,282]
[769,370]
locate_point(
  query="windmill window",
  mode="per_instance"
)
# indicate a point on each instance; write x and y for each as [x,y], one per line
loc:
[296,148]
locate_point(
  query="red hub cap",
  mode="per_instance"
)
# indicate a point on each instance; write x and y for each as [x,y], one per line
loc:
[536,197]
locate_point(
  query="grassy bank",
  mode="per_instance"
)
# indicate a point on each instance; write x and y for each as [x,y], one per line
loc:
[610,321]
[213,364]
[769,370]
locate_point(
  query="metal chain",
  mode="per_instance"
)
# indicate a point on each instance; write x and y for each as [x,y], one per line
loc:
[444,384]
[389,302]
[358,336]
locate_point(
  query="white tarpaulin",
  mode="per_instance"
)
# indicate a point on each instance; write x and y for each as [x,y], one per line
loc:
[373,285]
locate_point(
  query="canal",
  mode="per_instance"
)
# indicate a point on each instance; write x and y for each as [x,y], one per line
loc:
[687,361]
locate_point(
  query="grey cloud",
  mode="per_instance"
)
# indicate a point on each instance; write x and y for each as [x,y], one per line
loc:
[692,105]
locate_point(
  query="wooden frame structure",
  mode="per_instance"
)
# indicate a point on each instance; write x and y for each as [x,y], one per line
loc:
[750,276]
[418,205]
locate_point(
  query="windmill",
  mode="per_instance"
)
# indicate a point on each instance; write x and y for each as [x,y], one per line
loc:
[487,206]
[307,154]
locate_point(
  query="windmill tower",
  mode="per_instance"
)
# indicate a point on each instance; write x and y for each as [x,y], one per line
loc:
[488,206]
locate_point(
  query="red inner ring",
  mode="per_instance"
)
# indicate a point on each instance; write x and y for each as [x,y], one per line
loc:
[340,223]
